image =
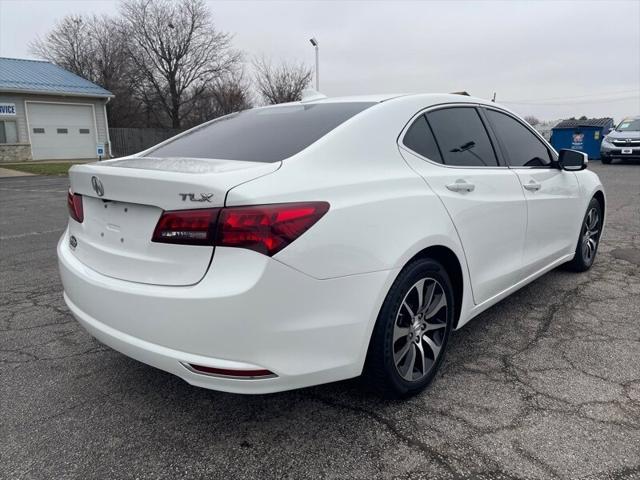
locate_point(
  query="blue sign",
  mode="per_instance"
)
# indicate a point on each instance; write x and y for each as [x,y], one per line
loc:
[100,150]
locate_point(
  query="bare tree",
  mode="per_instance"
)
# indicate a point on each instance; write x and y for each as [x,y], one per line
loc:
[228,94]
[92,47]
[280,83]
[531,120]
[177,52]
[231,94]
[68,45]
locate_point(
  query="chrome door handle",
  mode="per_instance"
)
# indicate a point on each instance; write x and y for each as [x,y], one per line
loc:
[532,186]
[461,186]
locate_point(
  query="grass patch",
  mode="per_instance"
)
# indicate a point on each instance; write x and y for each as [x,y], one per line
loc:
[53,168]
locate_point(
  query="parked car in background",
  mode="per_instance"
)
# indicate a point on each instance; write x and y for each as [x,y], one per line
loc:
[622,142]
[309,242]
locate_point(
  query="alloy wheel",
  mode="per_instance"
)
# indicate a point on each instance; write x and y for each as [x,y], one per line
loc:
[420,329]
[590,234]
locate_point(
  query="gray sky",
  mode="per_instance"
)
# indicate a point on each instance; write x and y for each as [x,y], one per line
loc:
[556,59]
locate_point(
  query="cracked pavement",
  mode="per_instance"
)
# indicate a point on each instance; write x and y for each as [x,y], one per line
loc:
[545,384]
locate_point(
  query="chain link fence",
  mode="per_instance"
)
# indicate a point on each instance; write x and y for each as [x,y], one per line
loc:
[127,141]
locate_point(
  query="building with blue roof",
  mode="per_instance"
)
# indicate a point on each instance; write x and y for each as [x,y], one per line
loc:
[47,112]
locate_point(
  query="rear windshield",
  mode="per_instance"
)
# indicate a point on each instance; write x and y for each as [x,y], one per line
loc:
[261,135]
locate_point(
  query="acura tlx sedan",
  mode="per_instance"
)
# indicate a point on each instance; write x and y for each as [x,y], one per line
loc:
[293,245]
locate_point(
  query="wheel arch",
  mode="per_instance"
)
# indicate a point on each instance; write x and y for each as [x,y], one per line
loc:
[599,195]
[453,266]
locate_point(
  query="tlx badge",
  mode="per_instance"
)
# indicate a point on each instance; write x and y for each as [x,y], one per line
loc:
[204,197]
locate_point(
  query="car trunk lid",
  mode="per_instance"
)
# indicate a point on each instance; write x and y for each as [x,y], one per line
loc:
[123,201]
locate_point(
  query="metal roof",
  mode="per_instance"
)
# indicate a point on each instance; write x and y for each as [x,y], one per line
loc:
[37,76]
[589,122]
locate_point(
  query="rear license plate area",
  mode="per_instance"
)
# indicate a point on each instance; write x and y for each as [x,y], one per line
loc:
[119,223]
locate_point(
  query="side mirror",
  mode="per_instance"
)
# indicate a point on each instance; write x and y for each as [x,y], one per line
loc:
[572,160]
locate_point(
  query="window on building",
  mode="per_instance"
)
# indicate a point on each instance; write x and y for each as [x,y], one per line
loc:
[63,130]
[84,130]
[462,137]
[38,130]
[419,138]
[8,132]
[522,148]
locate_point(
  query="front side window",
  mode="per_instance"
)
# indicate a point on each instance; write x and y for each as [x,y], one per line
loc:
[261,135]
[419,138]
[462,137]
[522,148]
[8,132]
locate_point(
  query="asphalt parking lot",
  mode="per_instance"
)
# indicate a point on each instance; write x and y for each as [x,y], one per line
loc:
[544,385]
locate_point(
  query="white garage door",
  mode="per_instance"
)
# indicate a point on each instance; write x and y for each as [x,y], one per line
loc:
[61,131]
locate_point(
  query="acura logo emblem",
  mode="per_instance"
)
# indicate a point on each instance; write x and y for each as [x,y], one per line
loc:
[97,186]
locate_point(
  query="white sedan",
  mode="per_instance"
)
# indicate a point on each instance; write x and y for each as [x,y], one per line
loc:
[304,243]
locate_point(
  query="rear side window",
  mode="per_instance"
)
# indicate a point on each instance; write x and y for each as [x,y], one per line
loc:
[261,135]
[462,137]
[522,148]
[419,138]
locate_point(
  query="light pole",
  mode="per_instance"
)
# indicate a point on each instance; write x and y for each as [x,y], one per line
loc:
[314,42]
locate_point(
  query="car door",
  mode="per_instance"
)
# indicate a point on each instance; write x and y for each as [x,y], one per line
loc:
[451,149]
[553,201]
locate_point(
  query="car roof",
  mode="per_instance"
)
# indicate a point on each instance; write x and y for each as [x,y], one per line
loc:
[373,98]
[424,98]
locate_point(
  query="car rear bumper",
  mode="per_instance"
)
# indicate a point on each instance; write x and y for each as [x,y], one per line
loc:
[249,312]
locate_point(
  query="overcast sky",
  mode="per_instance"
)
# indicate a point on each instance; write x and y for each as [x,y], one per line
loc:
[555,59]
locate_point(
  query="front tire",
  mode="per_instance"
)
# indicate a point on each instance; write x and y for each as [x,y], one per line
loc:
[412,330]
[589,240]
[606,160]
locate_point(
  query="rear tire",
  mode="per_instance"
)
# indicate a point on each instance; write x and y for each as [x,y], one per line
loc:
[589,239]
[412,331]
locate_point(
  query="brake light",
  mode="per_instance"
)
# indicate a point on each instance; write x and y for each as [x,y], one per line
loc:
[267,229]
[74,203]
[187,227]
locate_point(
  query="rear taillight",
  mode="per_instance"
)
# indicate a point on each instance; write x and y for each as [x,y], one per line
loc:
[266,229]
[74,203]
[187,227]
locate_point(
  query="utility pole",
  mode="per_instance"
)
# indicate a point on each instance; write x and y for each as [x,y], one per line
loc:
[315,44]
[494,97]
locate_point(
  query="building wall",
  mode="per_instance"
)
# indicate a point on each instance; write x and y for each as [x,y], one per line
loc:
[18,153]
[15,152]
